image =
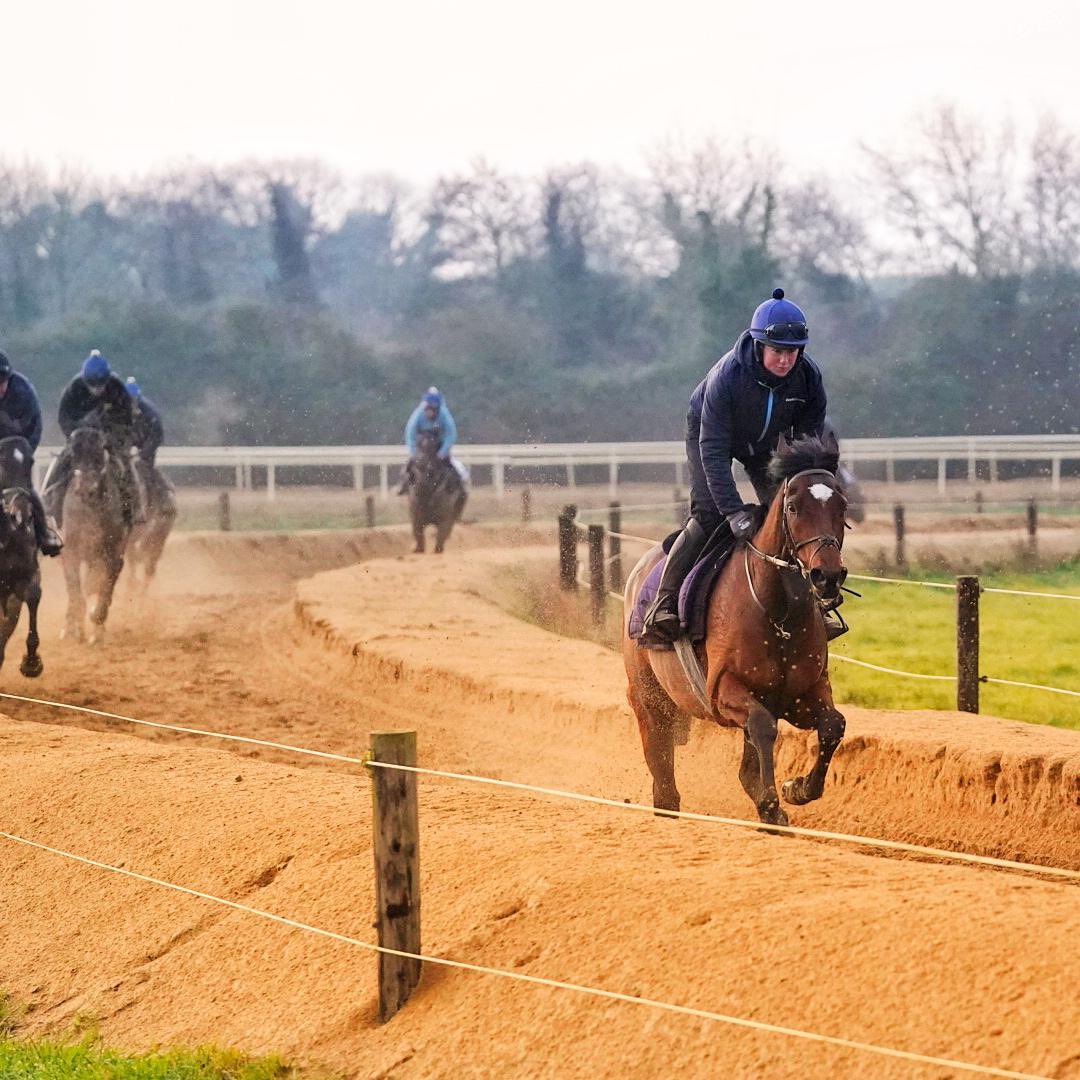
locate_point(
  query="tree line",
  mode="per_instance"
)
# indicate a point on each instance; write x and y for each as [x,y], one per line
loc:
[286,303]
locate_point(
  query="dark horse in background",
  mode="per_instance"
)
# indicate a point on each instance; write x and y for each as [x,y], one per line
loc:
[147,540]
[436,493]
[765,655]
[20,578]
[96,532]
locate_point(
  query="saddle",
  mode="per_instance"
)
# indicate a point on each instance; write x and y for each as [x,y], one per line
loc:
[694,593]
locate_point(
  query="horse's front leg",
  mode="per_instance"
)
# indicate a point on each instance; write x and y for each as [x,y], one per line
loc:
[759,732]
[74,622]
[8,621]
[31,665]
[816,710]
[114,563]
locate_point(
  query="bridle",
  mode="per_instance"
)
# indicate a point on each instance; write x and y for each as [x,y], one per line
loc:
[792,547]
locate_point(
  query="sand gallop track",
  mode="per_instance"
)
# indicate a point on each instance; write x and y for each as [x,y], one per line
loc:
[947,960]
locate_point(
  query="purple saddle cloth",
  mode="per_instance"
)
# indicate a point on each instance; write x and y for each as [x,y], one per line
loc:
[694,593]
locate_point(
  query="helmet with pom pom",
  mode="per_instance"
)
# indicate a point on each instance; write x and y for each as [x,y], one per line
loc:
[779,322]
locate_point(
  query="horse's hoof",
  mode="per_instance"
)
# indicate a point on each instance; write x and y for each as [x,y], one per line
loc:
[418,551]
[438,550]
[72,633]
[794,792]
[32,666]
[773,814]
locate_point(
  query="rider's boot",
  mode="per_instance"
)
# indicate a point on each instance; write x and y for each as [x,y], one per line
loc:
[49,540]
[662,619]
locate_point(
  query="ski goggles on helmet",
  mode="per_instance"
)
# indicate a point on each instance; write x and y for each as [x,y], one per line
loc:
[786,332]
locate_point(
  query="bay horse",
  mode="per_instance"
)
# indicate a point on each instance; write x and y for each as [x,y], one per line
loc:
[20,577]
[436,493]
[765,655]
[96,529]
[147,540]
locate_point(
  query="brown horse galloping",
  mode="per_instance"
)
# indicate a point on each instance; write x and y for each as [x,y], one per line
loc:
[765,655]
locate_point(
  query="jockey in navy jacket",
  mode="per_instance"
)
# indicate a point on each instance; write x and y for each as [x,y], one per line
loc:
[20,412]
[738,412]
[764,387]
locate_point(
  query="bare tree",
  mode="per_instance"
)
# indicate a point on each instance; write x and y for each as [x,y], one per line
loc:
[815,230]
[484,221]
[1053,197]
[956,194]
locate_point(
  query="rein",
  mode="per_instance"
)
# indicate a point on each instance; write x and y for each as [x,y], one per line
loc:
[793,563]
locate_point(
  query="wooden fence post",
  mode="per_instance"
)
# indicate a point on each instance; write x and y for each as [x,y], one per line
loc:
[1033,525]
[967,644]
[978,502]
[568,548]
[898,518]
[615,547]
[395,825]
[224,514]
[526,506]
[369,510]
[597,577]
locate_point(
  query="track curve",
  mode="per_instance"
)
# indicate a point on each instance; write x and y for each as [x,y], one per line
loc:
[940,959]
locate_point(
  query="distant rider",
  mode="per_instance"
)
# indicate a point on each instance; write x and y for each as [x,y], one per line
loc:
[20,414]
[148,433]
[97,396]
[432,415]
[764,387]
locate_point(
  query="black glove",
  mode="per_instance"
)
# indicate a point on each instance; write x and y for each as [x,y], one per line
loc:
[742,523]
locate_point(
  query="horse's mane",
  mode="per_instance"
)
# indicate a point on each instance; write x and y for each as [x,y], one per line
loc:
[809,452]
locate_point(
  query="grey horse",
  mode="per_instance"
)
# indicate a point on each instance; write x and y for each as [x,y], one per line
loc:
[96,530]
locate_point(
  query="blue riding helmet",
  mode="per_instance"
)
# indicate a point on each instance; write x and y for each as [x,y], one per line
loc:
[95,368]
[433,398]
[779,322]
[132,387]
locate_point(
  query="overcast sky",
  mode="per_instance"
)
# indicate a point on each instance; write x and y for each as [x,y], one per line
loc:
[423,88]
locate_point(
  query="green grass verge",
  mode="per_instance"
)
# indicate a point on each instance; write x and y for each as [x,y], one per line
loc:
[88,1061]
[1027,639]
[81,1057]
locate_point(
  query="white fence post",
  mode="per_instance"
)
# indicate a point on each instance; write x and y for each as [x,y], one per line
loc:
[942,469]
[271,482]
[384,481]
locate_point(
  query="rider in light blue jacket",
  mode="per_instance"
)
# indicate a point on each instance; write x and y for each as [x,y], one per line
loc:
[432,415]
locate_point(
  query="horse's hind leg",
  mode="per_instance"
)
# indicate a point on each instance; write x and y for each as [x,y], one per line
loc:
[32,665]
[418,535]
[830,724]
[657,720]
[442,533]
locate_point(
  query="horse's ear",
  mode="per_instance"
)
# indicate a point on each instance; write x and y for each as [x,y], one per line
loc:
[832,444]
[783,446]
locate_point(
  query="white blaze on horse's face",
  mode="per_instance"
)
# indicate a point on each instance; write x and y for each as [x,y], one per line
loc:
[822,492]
